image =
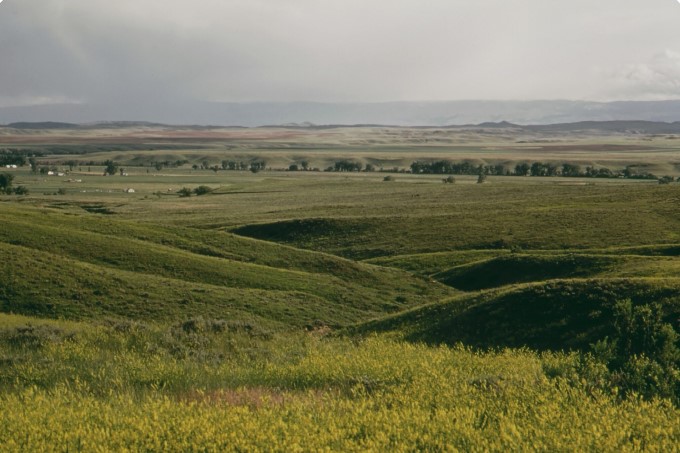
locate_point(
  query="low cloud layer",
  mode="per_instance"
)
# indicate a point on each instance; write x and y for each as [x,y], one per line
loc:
[133,52]
[658,78]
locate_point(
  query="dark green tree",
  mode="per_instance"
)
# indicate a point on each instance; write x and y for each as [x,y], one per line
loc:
[522,169]
[202,190]
[257,166]
[6,183]
[571,170]
[34,164]
[110,168]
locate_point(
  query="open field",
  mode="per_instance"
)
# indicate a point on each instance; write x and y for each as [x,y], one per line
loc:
[301,310]
[385,147]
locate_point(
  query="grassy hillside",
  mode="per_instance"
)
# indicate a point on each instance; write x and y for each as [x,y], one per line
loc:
[520,268]
[428,264]
[85,266]
[404,218]
[557,314]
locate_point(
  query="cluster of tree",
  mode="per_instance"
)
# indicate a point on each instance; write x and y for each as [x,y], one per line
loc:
[350,166]
[346,166]
[254,165]
[14,156]
[257,166]
[443,167]
[234,165]
[302,166]
[573,170]
[168,164]
[6,181]
[46,170]
[200,190]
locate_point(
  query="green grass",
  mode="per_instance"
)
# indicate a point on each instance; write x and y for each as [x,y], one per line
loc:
[59,266]
[556,314]
[428,218]
[429,264]
[520,268]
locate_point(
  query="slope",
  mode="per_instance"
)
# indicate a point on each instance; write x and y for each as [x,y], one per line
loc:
[145,251]
[557,314]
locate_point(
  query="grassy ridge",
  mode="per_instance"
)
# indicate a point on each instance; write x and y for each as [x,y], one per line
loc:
[521,268]
[47,285]
[39,247]
[558,314]
[427,218]
[206,242]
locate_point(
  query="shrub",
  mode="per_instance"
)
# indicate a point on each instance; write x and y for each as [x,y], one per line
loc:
[184,192]
[389,178]
[643,354]
[34,337]
[449,180]
[202,190]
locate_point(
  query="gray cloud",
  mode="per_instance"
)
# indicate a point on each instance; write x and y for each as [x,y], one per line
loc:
[152,51]
[658,78]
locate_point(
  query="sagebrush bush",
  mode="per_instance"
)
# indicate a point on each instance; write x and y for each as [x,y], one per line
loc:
[31,336]
[643,355]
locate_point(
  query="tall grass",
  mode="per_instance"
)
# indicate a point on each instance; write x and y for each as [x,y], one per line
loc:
[213,386]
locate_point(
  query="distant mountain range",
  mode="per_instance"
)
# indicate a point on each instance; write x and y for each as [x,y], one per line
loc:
[443,113]
[603,127]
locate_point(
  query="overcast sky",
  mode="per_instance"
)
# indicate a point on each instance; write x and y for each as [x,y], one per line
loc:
[96,51]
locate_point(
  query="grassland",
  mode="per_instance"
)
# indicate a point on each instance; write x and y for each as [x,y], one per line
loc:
[214,387]
[309,310]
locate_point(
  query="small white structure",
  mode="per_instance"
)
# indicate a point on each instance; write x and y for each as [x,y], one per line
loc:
[129,190]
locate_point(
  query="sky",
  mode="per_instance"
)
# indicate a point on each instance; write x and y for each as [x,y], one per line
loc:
[154,51]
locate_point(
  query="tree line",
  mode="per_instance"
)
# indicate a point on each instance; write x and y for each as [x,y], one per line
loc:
[445,167]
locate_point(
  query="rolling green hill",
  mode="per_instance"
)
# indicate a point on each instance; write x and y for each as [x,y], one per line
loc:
[88,265]
[556,314]
[522,268]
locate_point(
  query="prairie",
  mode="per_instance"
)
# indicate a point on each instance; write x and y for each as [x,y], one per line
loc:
[340,310]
